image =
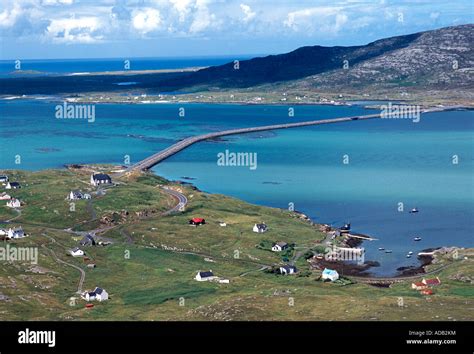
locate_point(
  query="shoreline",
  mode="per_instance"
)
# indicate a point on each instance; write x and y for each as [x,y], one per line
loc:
[105,98]
[350,242]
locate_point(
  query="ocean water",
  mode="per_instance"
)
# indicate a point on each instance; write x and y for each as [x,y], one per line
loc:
[68,66]
[390,161]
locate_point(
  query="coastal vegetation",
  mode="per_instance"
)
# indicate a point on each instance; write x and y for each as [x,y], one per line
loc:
[149,264]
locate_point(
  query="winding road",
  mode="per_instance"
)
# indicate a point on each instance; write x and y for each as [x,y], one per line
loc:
[181,198]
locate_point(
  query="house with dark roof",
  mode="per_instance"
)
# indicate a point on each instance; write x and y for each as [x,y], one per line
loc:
[101,294]
[13,185]
[98,294]
[100,178]
[77,194]
[279,246]
[87,240]
[16,232]
[345,228]
[288,269]
[76,252]
[197,221]
[204,276]
[3,178]
[260,228]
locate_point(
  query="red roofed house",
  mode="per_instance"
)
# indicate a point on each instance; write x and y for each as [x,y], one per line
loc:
[418,285]
[431,282]
[197,221]
[426,292]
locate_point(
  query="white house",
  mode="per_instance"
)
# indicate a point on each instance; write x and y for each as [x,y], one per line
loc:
[16,232]
[76,252]
[5,196]
[204,276]
[12,185]
[101,294]
[100,178]
[89,296]
[279,246]
[3,178]
[260,228]
[288,269]
[330,274]
[14,203]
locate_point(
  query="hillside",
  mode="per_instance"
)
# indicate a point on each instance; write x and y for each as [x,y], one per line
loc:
[442,58]
[149,264]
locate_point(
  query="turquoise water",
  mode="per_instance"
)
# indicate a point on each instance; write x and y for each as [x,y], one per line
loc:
[390,161]
[64,66]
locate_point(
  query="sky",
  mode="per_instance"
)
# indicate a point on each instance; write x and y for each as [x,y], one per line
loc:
[54,29]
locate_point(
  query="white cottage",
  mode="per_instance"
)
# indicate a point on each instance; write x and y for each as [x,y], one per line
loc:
[13,185]
[76,252]
[14,203]
[5,196]
[16,232]
[279,246]
[100,178]
[3,178]
[260,228]
[101,294]
[330,274]
[288,269]
[204,276]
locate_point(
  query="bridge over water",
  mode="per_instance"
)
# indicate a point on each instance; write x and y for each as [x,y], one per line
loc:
[183,144]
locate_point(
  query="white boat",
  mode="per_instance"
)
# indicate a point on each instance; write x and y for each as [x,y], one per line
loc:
[410,253]
[417,239]
[388,251]
[414,210]
[381,249]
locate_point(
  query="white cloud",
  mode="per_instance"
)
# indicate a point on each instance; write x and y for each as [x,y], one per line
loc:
[57,2]
[203,18]
[248,13]
[9,17]
[74,30]
[183,7]
[146,20]
[316,19]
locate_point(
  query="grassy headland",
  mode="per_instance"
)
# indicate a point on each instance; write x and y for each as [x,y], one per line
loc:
[149,267]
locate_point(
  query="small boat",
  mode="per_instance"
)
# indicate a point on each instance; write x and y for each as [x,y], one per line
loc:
[410,253]
[414,210]
[388,251]
[381,249]
[417,239]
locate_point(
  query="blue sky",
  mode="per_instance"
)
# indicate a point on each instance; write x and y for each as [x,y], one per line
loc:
[45,29]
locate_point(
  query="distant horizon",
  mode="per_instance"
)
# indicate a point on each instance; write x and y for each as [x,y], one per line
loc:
[145,58]
[249,55]
[107,29]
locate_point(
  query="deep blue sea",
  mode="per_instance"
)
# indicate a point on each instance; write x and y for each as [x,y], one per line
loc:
[71,66]
[390,161]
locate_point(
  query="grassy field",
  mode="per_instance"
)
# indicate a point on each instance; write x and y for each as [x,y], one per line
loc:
[149,268]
